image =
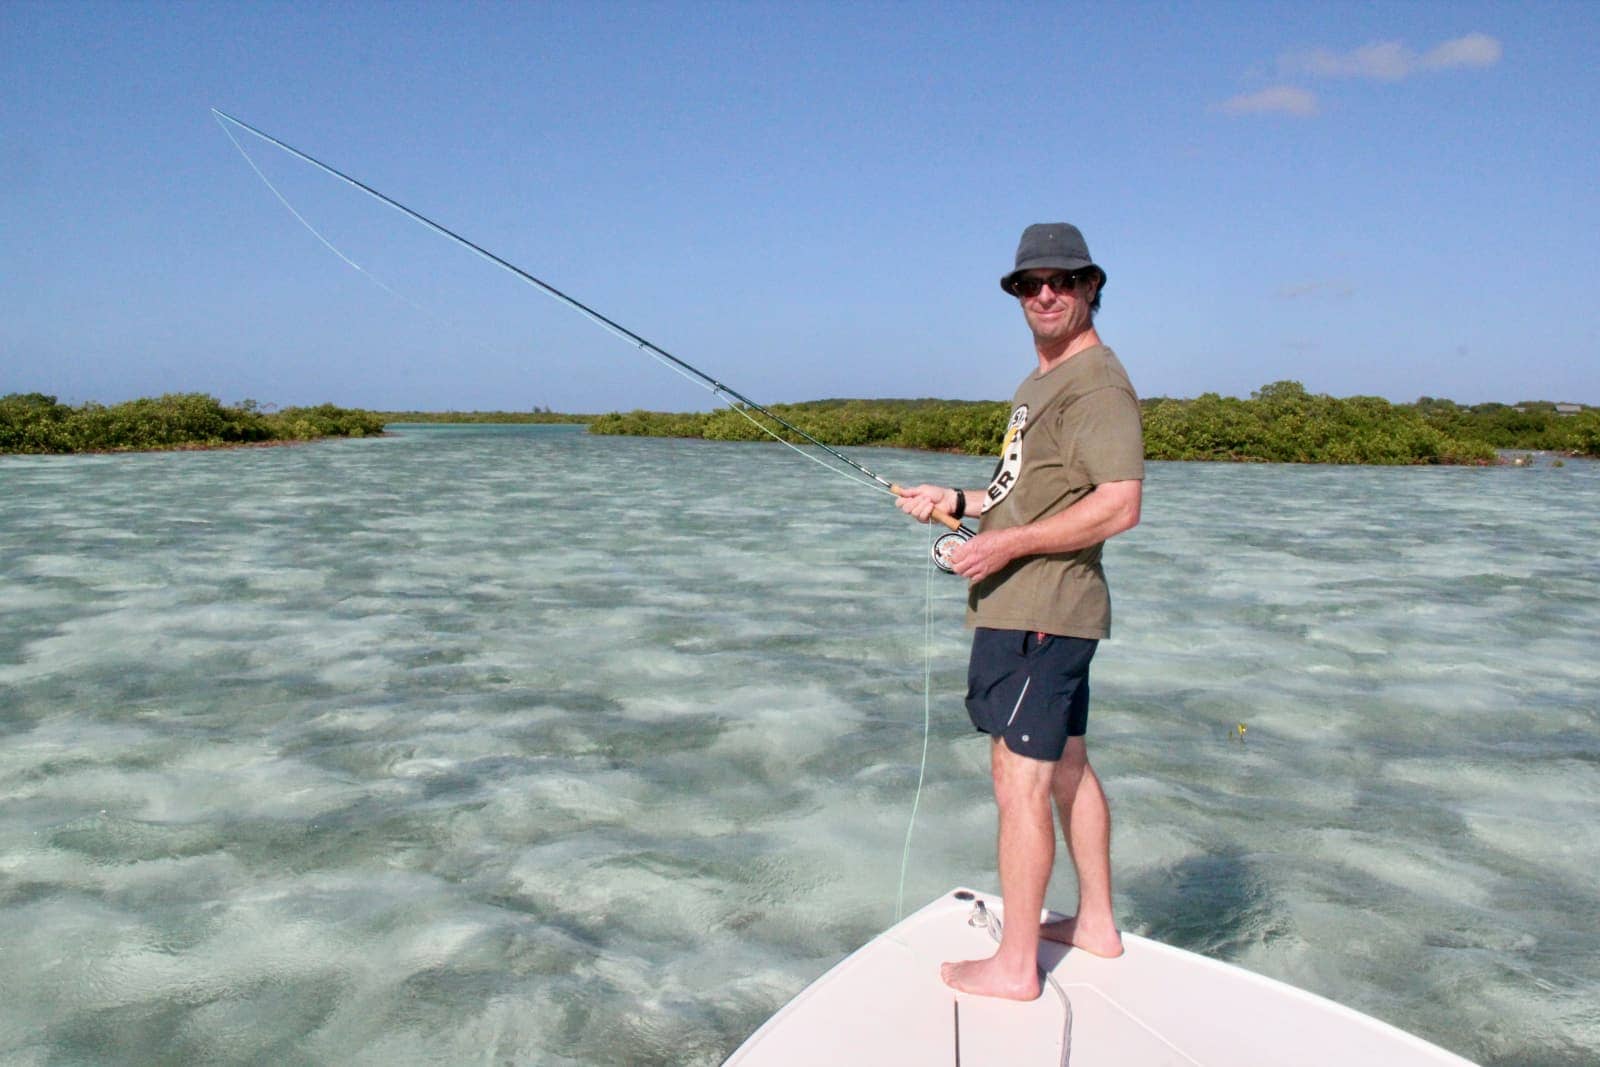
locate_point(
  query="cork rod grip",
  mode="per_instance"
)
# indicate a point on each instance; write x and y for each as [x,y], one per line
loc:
[938,516]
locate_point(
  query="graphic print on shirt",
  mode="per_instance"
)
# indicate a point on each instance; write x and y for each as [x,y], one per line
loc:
[1010,465]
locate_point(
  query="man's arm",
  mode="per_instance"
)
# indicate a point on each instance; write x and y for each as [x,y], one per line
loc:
[1107,510]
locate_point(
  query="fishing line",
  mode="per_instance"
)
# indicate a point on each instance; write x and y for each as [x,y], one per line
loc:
[938,549]
[329,245]
[927,721]
[428,313]
[723,392]
[379,282]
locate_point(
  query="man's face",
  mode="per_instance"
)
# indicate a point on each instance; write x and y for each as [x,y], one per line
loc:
[1055,317]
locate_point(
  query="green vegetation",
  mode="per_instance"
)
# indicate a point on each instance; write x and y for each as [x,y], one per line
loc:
[1283,423]
[1280,423]
[1582,436]
[1532,425]
[34,422]
[974,427]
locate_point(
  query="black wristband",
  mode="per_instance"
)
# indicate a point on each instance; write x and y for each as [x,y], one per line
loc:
[961,505]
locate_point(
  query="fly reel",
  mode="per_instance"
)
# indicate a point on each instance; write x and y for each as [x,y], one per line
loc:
[945,544]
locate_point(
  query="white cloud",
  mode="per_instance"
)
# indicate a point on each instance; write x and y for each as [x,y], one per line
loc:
[1473,50]
[1382,60]
[1386,61]
[1392,61]
[1279,100]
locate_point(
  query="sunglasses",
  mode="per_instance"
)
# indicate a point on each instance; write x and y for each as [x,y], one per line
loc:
[1026,285]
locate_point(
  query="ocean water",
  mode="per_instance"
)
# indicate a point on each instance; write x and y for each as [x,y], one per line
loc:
[517,745]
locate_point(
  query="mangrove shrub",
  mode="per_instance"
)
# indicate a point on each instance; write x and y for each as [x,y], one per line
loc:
[35,422]
[1280,422]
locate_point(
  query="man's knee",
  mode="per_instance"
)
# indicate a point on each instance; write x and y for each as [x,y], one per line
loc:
[1074,759]
[1021,781]
[1070,770]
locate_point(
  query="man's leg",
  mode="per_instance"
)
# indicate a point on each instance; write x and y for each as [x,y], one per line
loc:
[1027,852]
[1086,824]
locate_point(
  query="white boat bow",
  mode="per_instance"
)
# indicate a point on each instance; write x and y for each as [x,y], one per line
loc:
[1154,1006]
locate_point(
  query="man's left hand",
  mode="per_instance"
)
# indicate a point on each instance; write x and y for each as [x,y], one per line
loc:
[984,555]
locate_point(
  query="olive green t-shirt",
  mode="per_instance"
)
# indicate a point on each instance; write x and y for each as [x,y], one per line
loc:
[1071,429]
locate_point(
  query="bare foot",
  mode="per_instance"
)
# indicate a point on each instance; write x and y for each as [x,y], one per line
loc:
[1100,940]
[986,978]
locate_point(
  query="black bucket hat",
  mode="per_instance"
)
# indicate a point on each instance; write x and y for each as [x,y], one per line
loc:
[1052,246]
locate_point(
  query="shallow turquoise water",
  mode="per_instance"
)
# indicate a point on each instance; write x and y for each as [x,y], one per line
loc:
[519,745]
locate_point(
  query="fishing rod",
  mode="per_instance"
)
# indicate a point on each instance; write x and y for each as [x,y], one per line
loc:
[942,547]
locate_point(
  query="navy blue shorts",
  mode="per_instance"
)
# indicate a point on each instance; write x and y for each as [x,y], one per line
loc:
[1030,689]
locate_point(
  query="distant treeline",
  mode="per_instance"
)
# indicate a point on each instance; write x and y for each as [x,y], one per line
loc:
[1280,423]
[34,422]
[1283,423]
[972,426]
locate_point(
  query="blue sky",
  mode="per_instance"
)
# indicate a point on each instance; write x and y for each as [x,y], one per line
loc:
[805,200]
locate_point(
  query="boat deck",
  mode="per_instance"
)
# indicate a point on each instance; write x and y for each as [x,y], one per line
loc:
[1155,1006]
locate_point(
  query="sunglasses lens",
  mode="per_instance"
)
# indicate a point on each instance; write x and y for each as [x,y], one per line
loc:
[1028,287]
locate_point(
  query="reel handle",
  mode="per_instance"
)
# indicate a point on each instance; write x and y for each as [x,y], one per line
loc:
[938,516]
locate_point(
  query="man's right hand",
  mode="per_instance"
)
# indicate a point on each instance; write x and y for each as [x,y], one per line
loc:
[920,501]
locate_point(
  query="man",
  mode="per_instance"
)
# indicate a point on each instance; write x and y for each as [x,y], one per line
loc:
[1070,477]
